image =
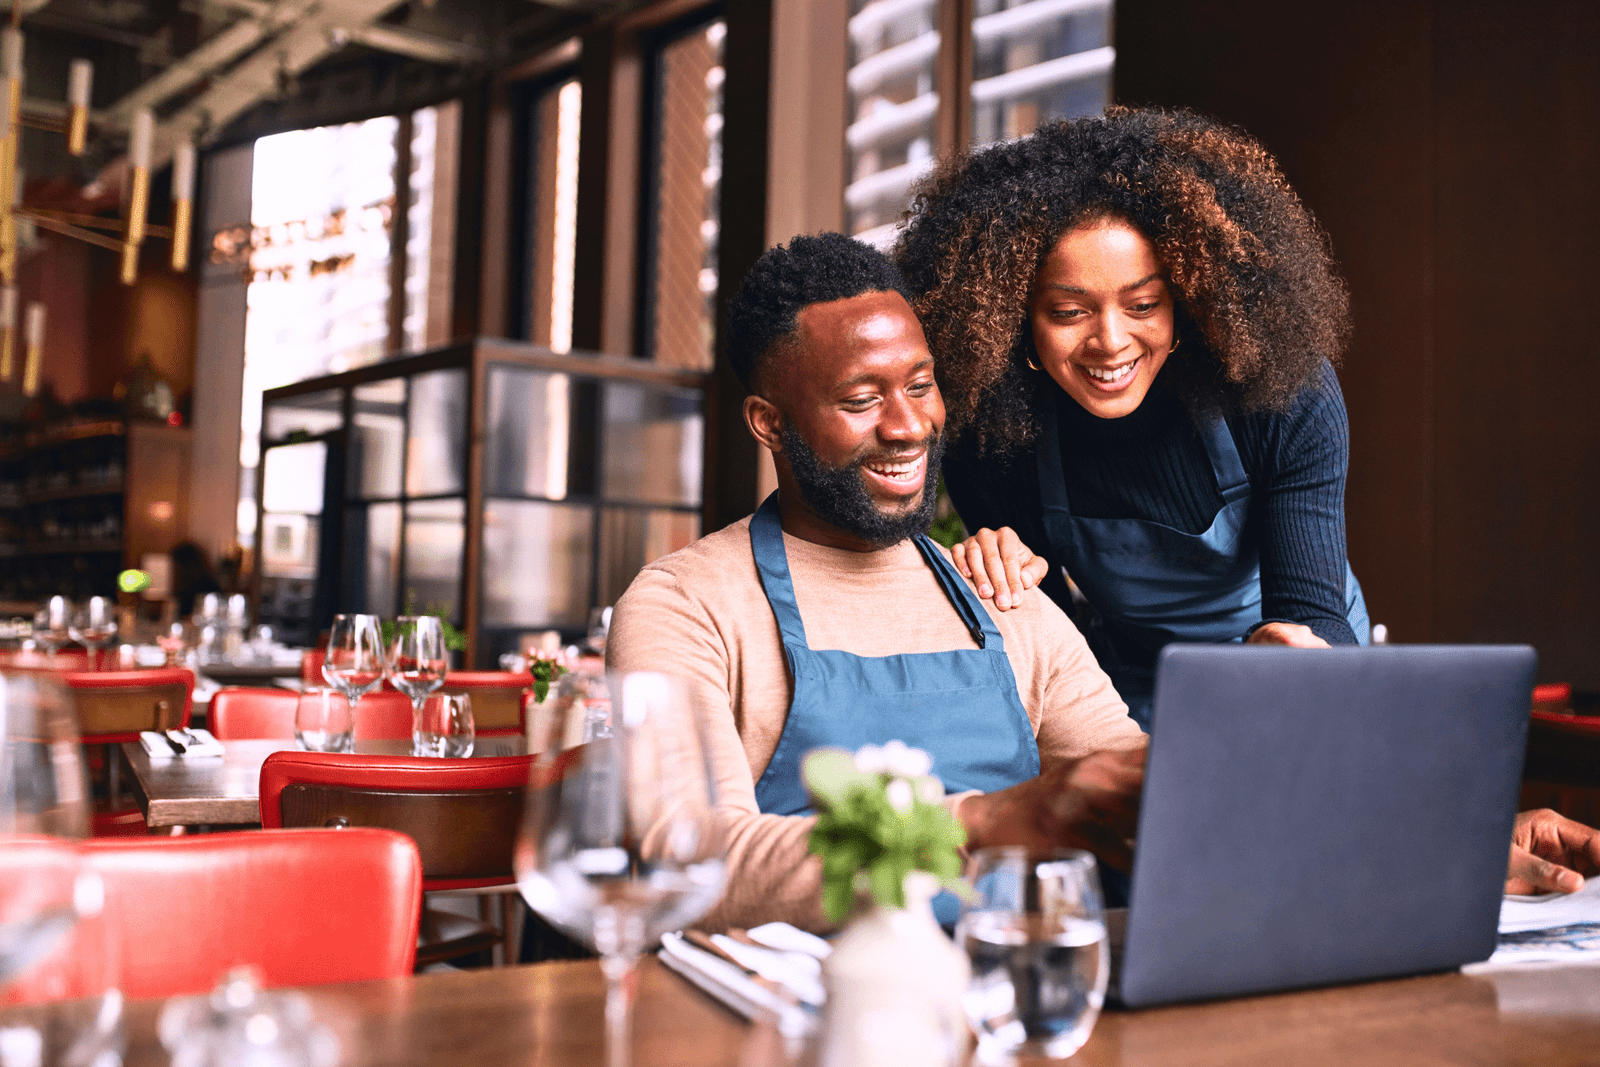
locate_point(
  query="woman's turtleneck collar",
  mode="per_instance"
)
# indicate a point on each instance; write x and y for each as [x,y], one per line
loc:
[1160,410]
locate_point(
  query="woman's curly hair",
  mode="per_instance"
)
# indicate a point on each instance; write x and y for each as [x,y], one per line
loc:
[1260,304]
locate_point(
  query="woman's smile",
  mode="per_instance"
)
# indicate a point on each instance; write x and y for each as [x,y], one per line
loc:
[1102,316]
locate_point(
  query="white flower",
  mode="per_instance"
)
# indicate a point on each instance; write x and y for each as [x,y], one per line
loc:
[931,790]
[869,759]
[900,758]
[899,794]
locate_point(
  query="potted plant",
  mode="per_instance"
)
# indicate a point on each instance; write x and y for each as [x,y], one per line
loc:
[888,845]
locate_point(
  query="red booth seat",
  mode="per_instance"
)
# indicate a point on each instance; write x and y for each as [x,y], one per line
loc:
[303,907]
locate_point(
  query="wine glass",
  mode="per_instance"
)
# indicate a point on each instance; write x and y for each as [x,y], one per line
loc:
[625,845]
[52,625]
[94,624]
[417,666]
[355,661]
[442,726]
[1036,936]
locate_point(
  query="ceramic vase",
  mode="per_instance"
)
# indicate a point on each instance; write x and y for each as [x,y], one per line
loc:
[894,983]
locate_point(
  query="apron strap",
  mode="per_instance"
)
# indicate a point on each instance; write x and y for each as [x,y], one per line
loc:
[1232,481]
[772,563]
[977,620]
[1052,478]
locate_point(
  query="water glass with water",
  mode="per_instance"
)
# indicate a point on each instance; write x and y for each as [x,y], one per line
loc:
[323,720]
[1036,935]
[442,726]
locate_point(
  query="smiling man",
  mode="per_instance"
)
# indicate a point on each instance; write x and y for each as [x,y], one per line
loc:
[828,618]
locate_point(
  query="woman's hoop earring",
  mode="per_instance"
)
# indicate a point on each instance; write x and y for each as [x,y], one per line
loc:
[1176,341]
[1032,365]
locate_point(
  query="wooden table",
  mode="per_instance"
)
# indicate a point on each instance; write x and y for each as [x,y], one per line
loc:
[225,791]
[552,1015]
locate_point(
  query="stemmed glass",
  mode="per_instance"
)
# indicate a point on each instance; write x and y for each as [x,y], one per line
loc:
[93,625]
[355,662]
[417,666]
[51,625]
[59,955]
[621,842]
[43,790]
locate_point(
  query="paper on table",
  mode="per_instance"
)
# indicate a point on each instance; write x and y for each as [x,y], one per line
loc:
[1558,928]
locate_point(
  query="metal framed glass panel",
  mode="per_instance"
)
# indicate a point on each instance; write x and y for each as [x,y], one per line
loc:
[436,435]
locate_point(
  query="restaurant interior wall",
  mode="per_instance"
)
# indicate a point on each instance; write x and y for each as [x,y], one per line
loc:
[1451,151]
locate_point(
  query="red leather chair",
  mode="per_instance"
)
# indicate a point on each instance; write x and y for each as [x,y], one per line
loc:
[463,815]
[242,713]
[1561,768]
[303,907]
[113,707]
[383,716]
[497,705]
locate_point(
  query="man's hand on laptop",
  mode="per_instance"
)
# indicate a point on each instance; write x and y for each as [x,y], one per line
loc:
[1551,853]
[1090,803]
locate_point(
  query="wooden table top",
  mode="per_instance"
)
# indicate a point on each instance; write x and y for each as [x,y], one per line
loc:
[225,791]
[552,1015]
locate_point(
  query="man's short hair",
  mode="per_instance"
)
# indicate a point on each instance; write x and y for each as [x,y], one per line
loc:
[811,270]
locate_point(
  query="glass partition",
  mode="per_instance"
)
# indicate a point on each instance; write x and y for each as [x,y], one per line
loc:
[436,439]
[589,467]
[377,439]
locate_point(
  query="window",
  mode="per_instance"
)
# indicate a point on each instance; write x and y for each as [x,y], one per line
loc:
[677,315]
[325,292]
[1032,61]
[551,212]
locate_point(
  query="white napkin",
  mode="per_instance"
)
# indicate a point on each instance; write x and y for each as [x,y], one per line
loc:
[197,743]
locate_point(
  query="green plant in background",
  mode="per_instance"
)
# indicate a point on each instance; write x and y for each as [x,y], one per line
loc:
[454,639]
[947,528]
[881,817]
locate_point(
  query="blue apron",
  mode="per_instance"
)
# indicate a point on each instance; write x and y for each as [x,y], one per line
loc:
[961,707]
[1149,584]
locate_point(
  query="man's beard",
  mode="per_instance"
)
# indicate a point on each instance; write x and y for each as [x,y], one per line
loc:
[839,496]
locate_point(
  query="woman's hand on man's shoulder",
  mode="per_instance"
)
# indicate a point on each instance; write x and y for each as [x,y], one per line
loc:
[999,566]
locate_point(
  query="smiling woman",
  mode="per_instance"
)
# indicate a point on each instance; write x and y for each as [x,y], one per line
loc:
[1135,322]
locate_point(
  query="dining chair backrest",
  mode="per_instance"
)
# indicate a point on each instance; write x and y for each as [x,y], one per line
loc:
[1561,766]
[463,814]
[302,907]
[243,713]
[114,706]
[496,698]
[383,715]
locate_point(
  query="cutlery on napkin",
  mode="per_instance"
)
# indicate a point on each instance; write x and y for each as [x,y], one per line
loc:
[188,744]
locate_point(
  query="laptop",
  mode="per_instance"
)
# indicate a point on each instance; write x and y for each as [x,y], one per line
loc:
[1315,816]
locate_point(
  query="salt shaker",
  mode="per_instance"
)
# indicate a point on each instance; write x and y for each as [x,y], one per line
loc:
[241,1025]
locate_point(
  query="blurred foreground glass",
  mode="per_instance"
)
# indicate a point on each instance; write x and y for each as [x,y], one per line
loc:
[58,954]
[355,660]
[621,841]
[94,625]
[1036,935]
[323,720]
[442,726]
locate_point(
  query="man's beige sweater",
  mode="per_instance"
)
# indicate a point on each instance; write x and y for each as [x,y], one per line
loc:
[701,614]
